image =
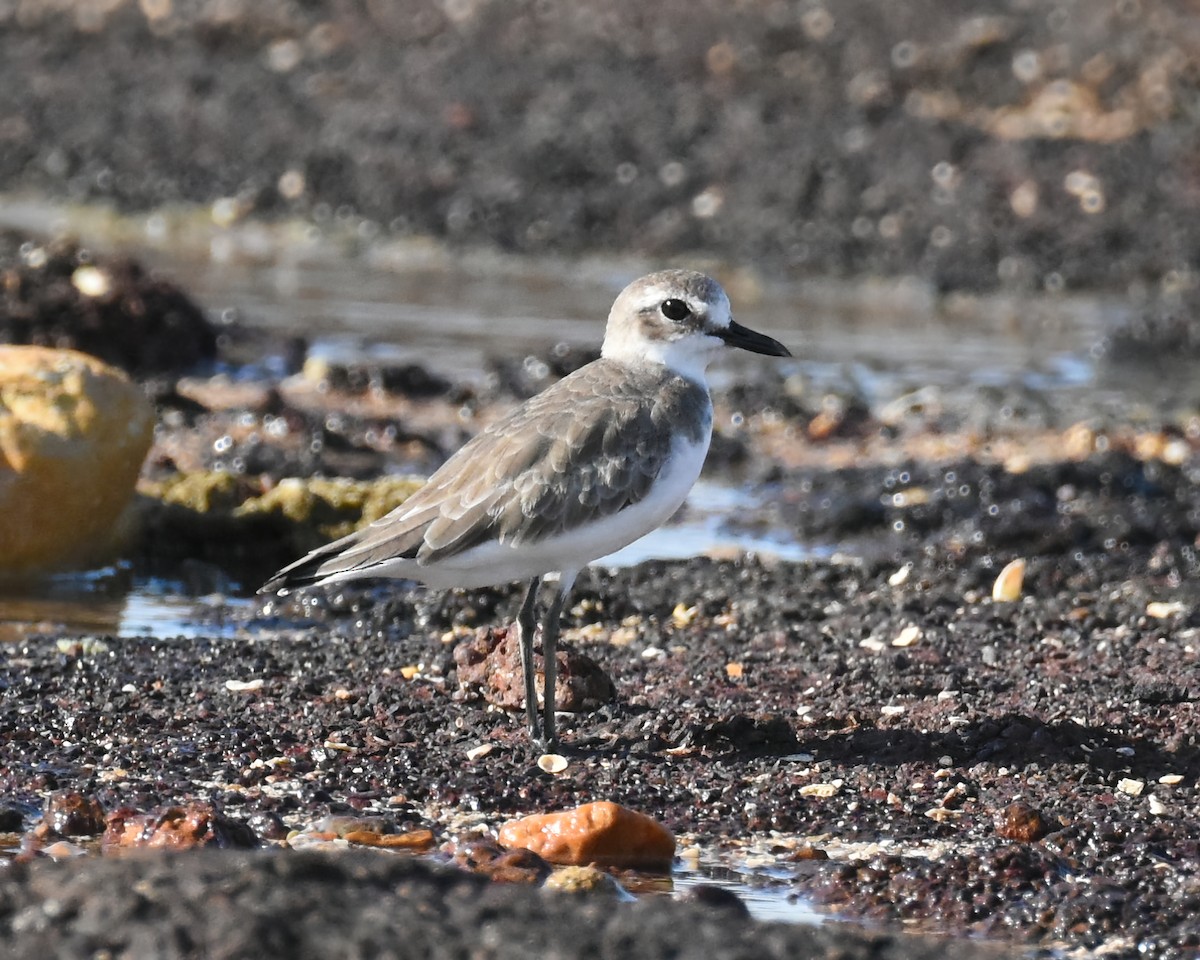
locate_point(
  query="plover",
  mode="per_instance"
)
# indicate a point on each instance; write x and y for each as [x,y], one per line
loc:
[584,468]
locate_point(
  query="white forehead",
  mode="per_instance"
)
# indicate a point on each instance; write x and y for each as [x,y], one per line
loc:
[702,294]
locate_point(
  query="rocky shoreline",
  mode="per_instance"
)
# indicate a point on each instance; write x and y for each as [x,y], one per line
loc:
[908,747]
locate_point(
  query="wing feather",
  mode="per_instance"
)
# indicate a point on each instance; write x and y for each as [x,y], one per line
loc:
[591,444]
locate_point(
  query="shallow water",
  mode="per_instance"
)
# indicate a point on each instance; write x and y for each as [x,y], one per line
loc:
[414,300]
[767,897]
[111,603]
[883,337]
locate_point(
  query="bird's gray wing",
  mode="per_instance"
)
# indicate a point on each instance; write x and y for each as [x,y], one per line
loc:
[587,446]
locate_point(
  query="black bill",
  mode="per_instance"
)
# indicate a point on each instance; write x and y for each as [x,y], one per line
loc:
[746,339]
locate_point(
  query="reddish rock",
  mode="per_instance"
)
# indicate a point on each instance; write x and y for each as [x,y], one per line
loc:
[603,833]
[807,853]
[71,814]
[502,866]
[176,828]
[490,662]
[1019,821]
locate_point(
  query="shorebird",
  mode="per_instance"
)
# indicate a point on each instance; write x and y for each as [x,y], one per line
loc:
[584,468]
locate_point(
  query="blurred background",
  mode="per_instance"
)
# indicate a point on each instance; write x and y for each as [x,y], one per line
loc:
[1023,145]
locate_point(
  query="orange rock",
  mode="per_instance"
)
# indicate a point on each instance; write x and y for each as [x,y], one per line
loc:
[1020,821]
[807,852]
[603,833]
[824,425]
[413,840]
[73,434]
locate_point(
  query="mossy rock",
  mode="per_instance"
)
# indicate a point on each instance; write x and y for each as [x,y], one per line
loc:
[234,523]
[333,507]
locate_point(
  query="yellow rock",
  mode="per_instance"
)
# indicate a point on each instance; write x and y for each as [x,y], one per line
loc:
[585,880]
[73,434]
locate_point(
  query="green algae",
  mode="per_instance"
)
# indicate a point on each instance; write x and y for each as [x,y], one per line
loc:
[250,529]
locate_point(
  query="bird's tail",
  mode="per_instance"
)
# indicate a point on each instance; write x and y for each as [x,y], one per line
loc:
[312,568]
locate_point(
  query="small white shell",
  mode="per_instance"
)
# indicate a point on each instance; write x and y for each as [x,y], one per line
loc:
[552,763]
[900,576]
[244,686]
[1007,587]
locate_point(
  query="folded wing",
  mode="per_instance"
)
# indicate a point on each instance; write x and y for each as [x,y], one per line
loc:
[588,446]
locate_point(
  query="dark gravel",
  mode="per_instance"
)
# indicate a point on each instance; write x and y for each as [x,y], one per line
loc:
[232,906]
[1055,701]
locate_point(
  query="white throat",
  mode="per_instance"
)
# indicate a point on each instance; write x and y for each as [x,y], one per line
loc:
[688,357]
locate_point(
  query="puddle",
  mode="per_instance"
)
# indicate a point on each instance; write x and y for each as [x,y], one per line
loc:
[766,898]
[451,309]
[885,339]
[702,529]
[110,602]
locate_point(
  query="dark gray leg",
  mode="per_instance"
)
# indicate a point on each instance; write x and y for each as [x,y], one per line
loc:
[550,627]
[526,625]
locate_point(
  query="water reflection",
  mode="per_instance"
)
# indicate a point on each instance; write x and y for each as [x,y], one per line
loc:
[110,602]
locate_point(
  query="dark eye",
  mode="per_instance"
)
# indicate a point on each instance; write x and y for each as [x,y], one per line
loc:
[674,309]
